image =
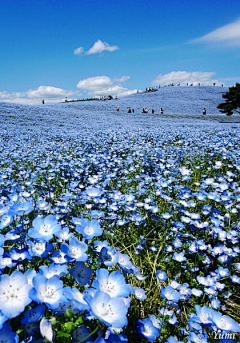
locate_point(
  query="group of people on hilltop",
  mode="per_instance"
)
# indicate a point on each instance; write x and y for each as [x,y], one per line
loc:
[145,110]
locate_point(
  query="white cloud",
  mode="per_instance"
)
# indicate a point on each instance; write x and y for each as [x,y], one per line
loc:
[184,77]
[34,97]
[104,85]
[78,51]
[48,92]
[95,83]
[99,47]
[228,34]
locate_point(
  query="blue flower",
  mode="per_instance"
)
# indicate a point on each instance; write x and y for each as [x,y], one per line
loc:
[3,319]
[196,292]
[93,192]
[114,284]
[40,249]
[146,329]
[162,276]
[204,315]
[47,291]
[53,269]
[170,294]
[7,336]
[76,297]
[215,303]
[109,256]
[33,315]
[110,311]
[6,220]
[179,257]
[21,208]
[235,279]
[64,235]
[81,274]
[139,293]
[200,337]
[172,339]
[89,228]
[44,228]
[124,263]
[59,257]
[225,323]
[46,329]
[222,272]
[19,255]
[75,250]
[14,294]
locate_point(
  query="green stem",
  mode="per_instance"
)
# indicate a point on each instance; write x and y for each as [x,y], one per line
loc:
[89,335]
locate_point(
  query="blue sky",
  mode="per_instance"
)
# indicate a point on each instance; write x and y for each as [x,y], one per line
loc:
[50,49]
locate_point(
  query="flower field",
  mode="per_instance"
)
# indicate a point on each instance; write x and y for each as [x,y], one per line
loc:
[117,227]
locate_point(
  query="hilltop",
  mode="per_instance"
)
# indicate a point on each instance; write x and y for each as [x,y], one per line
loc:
[174,100]
[179,100]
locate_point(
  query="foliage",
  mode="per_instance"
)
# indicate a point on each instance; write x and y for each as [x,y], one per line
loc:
[232,102]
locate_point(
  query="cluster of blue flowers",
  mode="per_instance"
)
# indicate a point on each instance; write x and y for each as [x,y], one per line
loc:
[99,226]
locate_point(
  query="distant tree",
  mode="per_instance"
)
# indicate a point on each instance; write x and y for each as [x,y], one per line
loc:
[232,102]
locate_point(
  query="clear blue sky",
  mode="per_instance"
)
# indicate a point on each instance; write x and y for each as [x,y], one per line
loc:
[77,48]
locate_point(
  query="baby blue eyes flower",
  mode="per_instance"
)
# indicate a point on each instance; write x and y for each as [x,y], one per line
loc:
[147,330]
[7,336]
[196,292]
[44,228]
[53,269]
[139,293]
[93,192]
[14,294]
[114,284]
[5,220]
[76,297]
[46,329]
[33,315]
[110,311]
[170,294]
[179,257]
[75,250]
[222,272]
[89,228]
[235,279]
[162,276]
[81,274]
[172,339]
[204,315]
[224,323]
[22,208]
[109,256]
[47,291]
[215,303]
[39,249]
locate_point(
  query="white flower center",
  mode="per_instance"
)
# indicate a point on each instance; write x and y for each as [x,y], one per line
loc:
[88,230]
[45,229]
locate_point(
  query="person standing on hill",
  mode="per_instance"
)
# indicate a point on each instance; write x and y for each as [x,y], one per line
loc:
[204,112]
[161,110]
